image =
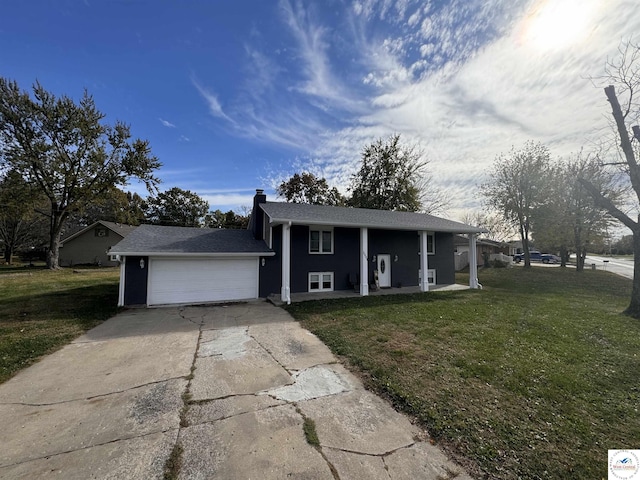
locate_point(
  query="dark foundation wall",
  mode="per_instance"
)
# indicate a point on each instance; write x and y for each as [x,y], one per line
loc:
[135,281]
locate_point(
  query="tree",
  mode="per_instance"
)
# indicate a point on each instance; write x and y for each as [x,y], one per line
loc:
[177,207]
[624,73]
[570,219]
[307,188]
[114,206]
[20,224]
[497,229]
[392,177]
[230,219]
[517,188]
[67,151]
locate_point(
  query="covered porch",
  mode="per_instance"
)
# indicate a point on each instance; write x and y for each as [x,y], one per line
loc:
[306,296]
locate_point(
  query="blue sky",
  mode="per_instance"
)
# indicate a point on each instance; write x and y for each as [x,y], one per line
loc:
[237,95]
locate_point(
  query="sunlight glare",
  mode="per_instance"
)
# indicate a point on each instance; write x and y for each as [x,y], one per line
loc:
[556,24]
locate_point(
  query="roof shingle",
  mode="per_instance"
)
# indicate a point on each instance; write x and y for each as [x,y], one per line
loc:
[280,212]
[157,239]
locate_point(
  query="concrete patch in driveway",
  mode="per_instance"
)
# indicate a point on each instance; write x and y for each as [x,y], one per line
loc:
[314,382]
[295,348]
[255,370]
[268,444]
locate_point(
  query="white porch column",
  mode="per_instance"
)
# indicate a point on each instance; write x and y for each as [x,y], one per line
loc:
[473,261]
[424,262]
[123,261]
[285,291]
[364,261]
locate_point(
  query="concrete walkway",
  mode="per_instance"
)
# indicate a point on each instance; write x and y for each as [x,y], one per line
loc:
[222,391]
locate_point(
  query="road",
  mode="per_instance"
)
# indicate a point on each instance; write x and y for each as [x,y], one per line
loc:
[618,266]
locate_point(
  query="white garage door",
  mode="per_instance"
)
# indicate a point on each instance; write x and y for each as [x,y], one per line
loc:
[197,280]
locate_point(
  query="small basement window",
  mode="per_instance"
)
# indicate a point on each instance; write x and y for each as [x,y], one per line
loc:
[321,281]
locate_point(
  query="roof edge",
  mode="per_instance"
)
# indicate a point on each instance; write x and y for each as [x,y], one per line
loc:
[191,254]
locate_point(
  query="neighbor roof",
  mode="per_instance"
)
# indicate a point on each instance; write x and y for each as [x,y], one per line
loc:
[159,240]
[280,212]
[120,228]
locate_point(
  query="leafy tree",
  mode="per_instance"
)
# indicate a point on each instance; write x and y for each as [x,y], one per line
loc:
[177,207]
[623,246]
[67,151]
[114,206]
[307,188]
[624,73]
[230,219]
[392,177]
[518,187]
[497,228]
[20,224]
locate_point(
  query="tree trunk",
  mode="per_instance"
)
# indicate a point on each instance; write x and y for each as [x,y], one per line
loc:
[8,253]
[634,307]
[564,255]
[55,229]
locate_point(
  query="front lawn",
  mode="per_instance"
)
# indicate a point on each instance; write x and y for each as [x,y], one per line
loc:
[535,376]
[42,310]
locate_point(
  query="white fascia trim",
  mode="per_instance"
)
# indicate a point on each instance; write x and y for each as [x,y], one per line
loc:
[181,254]
[279,221]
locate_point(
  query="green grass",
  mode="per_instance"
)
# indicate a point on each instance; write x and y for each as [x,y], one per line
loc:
[42,310]
[535,376]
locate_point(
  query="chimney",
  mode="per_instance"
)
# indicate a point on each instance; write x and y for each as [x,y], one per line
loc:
[257,215]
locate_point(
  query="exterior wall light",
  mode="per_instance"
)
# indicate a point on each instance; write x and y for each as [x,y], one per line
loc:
[142,263]
[375,259]
[395,258]
[262,261]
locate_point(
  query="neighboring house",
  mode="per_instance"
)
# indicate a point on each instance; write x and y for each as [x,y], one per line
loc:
[289,248]
[91,244]
[483,247]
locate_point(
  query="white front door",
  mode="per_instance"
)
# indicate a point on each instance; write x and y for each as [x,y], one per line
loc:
[384,270]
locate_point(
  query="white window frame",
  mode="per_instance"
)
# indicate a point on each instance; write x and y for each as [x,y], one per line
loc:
[433,243]
[320,282]
[321,230]
[431,276]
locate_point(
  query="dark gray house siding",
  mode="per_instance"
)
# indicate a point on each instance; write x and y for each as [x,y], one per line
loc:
[345,260]
[135,280]
[270,277]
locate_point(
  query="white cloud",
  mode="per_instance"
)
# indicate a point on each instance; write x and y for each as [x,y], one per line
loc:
[211,99]
[166,123]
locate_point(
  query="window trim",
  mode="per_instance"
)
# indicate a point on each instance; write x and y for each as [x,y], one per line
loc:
[433,243]
[320,288]
[321,230]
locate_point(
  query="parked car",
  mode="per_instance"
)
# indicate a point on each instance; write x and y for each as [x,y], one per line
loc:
[536,256]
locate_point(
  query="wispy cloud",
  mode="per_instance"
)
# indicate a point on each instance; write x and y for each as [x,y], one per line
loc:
[166,123]
[211,99]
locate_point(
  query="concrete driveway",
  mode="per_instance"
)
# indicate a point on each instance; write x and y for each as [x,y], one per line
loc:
[208,392]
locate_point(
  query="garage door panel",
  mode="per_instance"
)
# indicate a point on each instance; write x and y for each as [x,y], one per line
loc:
[196,280]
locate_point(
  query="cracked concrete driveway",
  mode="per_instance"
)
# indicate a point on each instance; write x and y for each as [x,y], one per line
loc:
[224,390]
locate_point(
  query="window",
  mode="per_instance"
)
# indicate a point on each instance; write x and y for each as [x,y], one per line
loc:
[431,276]
[320,241]
[320,281]
[431,244]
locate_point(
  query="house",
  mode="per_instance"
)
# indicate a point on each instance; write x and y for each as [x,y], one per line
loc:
[484,248]
[91,244]
[289,248]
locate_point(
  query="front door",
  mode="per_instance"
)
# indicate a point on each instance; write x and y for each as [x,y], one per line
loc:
[384,270]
